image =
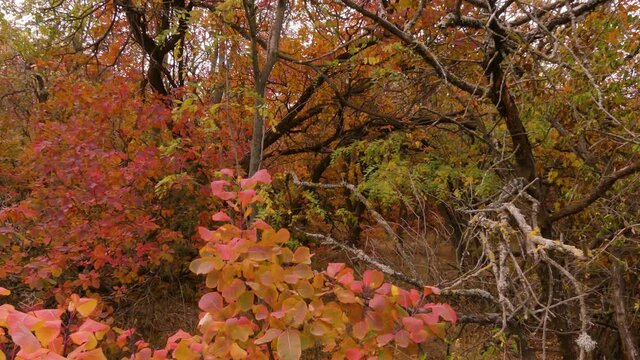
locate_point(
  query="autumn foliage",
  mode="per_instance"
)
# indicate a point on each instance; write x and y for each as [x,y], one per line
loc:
[490,148]
[263,300]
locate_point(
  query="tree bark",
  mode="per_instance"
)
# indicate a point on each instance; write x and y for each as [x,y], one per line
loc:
[629,347]
[261,76]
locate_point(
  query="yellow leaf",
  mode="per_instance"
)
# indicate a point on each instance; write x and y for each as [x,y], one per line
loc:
[183,352]
[237,352]
[46,331]
[86,306]
[4,292]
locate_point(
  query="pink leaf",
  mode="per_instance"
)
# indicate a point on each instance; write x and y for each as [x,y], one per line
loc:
[412,324]
[419,336]
[357,287]
[172,341]
[218,186]
[217,189]
[227,172]
[384,339]
[211,302]
[334,268]
[261,176]
[353,354]
[377,302]
[402,338]
[205,234]
[93,326]
[445,311]
[221,216]
[48,314]
[22,337]
[385,289]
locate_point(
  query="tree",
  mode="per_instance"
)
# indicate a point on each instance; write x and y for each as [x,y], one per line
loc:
[487,147]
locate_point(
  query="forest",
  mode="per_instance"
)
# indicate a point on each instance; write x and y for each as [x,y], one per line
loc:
[319,179]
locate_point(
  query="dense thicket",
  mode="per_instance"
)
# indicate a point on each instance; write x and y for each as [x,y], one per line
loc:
[490,148]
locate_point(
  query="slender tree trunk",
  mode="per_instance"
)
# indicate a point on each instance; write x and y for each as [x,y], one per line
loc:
[261,76]
[629,345]
[258,134]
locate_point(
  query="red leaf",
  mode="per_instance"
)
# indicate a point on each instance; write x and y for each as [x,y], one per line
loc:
[353,354]
[246,196]
[419,336]
[373,279]
[414,297]
[356,286]
[412,324]
[403,298]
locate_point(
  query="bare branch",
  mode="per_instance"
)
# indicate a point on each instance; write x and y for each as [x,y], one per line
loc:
[605,185]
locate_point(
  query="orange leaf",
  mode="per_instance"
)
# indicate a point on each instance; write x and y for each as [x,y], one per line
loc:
[373,279]
[237,352]
[302,255]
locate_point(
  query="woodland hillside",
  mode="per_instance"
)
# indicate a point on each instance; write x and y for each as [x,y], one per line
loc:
[315,179]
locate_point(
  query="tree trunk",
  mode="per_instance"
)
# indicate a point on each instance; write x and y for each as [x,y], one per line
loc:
[629,347]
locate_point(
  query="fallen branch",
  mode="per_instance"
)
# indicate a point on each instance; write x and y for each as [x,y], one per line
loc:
[387,270]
